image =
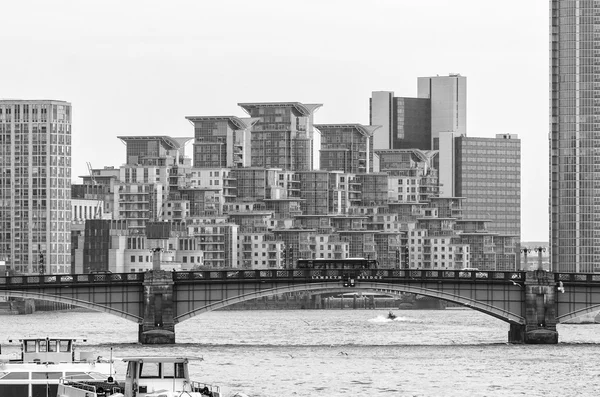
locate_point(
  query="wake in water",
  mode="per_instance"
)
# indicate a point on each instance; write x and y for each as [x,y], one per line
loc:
[386,319]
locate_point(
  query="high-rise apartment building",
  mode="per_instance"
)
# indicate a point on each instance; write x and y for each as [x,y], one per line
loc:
[284,137]
[35,186]
[574,143]
[488,177]
[346,147]
[405,122]
[221,141]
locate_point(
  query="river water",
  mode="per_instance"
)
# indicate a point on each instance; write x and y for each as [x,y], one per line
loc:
[346,352]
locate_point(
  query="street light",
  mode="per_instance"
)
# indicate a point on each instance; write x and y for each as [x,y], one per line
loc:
[525,251]
[539,250]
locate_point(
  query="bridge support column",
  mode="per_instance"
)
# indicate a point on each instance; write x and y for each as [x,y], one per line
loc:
[540,311]
[158,326]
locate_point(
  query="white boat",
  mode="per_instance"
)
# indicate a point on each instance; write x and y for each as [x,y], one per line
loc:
[145,377]
[42,362]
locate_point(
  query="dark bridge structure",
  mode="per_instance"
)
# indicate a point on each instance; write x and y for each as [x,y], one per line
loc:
[531,302]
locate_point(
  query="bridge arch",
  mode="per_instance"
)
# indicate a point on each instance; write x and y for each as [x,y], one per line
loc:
[577,313]
[382,288]
[71,301]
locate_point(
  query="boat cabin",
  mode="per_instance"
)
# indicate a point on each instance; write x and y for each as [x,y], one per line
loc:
[47,350]
[42,362]
[147,375]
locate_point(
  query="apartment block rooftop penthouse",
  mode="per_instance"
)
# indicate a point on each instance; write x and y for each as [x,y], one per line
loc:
[283,137]
[35,185]
[346,147]
[221,141]
[157,150]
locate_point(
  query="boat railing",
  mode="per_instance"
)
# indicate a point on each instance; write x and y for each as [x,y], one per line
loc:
[200,387]
[98,387]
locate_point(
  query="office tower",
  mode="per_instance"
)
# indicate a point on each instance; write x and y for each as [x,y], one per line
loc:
[574,156]
[405,122]
[221,141]
[488,176]
[448,96]
[35,186]
[284,136]
[346,147]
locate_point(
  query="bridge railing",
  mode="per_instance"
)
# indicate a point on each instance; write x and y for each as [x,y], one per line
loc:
[577,277]
[69,279]
[334,274]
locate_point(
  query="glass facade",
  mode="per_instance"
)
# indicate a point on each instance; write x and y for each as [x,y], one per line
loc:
[574,138]
[35,186]
[412,123]
[488,176]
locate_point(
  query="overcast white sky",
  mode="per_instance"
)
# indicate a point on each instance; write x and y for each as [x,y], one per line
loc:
[139,67]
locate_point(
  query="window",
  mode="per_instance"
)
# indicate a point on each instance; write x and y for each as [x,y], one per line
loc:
[149,370]
[132,258]
[29,346]
[63,346]
[140,258]
[173,371]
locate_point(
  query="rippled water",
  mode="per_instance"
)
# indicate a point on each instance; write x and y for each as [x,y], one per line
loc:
[348,352]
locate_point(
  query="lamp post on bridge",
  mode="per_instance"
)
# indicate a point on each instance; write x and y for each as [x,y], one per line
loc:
[539,250]
[525,251]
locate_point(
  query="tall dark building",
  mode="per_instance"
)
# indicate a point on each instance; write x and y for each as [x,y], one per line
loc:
[574,136]
[405,122]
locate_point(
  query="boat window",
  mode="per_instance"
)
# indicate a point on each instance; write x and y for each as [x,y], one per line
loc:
[43,346]
[174,370]
[15,375]
[52,345]
[64,346]
[29,346]
[46,375]
[150,370]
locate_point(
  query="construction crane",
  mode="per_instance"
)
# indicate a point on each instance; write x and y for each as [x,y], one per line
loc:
[98,210]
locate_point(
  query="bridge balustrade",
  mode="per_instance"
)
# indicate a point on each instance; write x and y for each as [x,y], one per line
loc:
[333,274]
[593,278]
[62,279]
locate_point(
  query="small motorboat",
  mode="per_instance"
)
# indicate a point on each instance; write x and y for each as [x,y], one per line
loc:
[391,316]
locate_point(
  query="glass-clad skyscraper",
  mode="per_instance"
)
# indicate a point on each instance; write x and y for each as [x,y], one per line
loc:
[575,135]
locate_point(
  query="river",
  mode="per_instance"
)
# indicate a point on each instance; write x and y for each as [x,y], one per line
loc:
[267,353]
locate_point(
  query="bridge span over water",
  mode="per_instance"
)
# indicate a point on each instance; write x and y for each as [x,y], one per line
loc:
[531,302]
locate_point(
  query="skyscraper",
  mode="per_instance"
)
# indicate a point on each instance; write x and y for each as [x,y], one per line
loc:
[448,96]
[574,136]
[35,186]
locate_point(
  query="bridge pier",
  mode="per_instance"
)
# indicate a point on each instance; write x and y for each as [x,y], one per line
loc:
[158,326]
[540,311]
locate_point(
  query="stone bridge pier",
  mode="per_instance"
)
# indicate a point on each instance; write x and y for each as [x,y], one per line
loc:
[540,311]
[158,325]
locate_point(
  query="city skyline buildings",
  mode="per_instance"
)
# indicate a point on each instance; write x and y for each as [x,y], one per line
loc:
[497,62]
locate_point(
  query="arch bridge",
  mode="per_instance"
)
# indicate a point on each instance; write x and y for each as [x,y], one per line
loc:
[531,302]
